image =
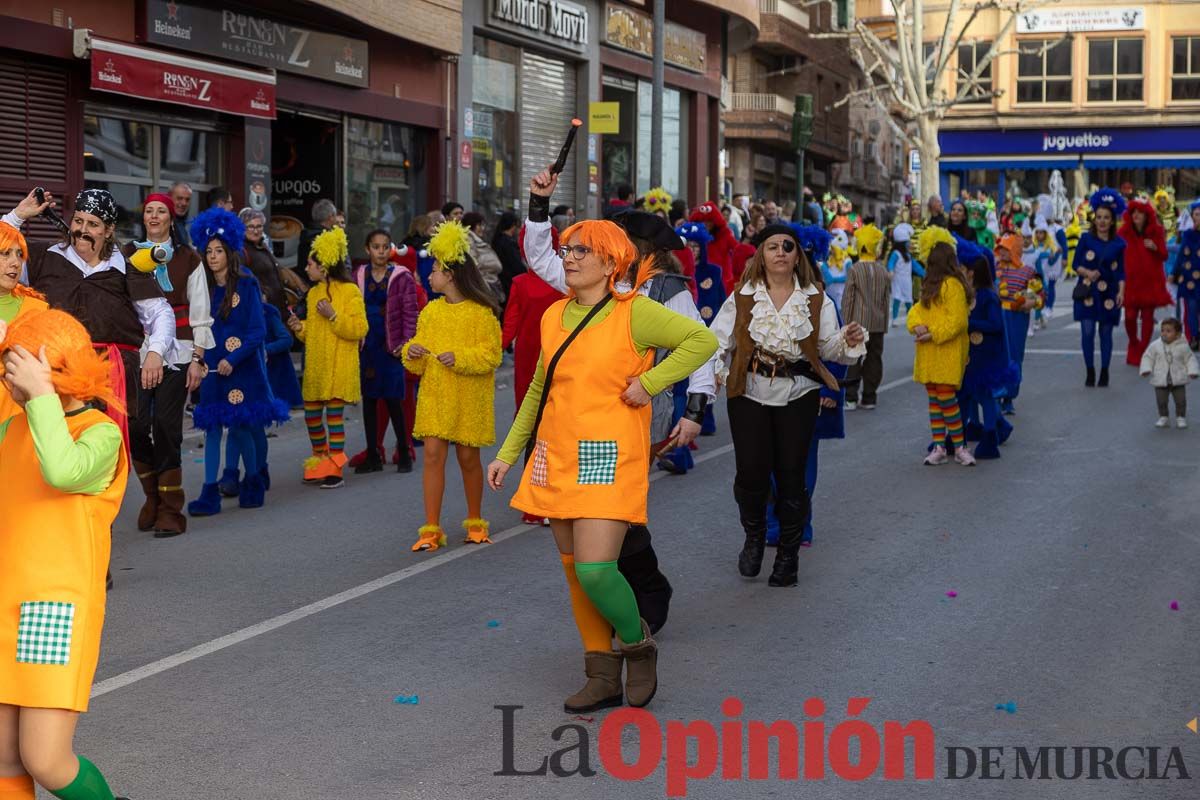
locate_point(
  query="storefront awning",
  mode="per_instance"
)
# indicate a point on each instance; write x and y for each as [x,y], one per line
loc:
[1141,160]
[170,78]
[1007,162]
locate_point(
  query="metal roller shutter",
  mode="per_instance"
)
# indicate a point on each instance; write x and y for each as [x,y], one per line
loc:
[547,106]
[34,136]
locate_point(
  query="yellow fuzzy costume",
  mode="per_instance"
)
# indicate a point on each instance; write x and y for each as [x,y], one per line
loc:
[331,348]
[943,359]
[867,238]
[456,403]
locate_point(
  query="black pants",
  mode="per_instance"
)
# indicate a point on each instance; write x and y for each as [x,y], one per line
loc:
[1162,393]
[156,419]
[868,372]
[395,406]
[773,441]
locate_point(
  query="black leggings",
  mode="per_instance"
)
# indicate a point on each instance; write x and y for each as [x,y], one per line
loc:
[773,441]
[395,406]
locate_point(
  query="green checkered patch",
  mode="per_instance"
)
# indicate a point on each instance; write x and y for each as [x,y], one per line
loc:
[597,462]
[44,632]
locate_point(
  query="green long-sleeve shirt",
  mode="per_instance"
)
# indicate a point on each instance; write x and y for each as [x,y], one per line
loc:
[652,325]
[86,465]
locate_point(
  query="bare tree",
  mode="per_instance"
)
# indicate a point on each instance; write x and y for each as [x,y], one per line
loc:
[908,79]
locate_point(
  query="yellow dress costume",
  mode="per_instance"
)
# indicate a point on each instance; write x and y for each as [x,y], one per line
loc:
[65,475]
[456,403]
[943,359]
[28,305]
[331,348]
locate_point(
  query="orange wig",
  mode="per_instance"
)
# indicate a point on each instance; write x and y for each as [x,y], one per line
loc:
[611,245]
[11,237]
[1013,244]
[78,371]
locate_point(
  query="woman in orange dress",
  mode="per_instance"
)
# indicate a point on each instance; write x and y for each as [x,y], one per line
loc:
[64,467]
[16,300]
[591,445]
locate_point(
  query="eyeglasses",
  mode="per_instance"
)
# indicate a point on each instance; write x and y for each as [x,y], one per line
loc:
[254,227]
[578,250]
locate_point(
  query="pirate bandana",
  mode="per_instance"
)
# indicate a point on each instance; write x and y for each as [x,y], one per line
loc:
[98,203]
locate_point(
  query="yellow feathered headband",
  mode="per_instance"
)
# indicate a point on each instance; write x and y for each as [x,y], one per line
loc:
[450,244]
[330,248]
[658,199]
[930,238]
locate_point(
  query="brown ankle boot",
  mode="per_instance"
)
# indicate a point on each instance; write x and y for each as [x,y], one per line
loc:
[170,520]
[603,687]
[149,479]
[641,669]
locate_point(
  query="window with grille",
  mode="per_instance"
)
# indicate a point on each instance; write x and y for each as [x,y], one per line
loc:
[929,52]
[1115,70]
[978,89]
[1044,71]
[1185,68]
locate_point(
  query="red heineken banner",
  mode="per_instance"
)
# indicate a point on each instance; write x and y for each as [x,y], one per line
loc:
[169,78]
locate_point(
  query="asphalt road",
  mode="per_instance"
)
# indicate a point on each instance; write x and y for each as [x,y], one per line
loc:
[261,655]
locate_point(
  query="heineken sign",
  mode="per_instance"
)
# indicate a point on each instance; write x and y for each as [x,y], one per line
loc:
[252,39]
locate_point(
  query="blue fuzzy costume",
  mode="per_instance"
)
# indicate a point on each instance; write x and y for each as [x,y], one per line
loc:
[1186,274]
[242,402]
[1100,308]
[281,372]
[710,296]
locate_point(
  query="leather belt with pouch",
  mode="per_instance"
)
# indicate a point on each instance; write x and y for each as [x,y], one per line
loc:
[769,365]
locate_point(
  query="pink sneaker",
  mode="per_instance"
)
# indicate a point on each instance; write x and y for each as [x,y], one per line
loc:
[937,456]
[964,456]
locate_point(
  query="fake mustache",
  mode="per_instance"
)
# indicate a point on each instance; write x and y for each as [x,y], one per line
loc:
[87,237]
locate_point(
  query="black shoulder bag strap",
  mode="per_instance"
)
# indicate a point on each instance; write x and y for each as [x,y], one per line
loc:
[537,422]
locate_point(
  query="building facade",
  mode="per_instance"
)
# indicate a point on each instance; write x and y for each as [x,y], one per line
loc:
[1105,93]
[787,60]
[875,178]
[282,102]
[528,68]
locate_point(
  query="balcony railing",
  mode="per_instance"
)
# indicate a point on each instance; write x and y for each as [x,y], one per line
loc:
[793,14]
[747,101]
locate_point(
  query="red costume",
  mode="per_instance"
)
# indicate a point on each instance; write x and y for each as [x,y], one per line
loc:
[687,264]
[741,256]
[1145,278]
[720,249]
[528,300]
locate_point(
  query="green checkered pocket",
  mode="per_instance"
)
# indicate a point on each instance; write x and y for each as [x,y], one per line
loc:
[44,632]
[597,462]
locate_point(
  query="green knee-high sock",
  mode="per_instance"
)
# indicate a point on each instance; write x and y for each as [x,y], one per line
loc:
[612,596]
[89,784]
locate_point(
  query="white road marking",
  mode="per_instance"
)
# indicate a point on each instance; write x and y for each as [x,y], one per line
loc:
[1075,352]
[295,615]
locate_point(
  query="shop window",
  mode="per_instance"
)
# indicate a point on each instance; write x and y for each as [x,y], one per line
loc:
[385,177]
[1044,71]
[977,90]
[674,153]
[1185,68]
[929,53]
[495,140]
[132,158]
[1114,70]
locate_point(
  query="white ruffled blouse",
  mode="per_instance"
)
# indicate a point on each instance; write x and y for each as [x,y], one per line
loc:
[780,331]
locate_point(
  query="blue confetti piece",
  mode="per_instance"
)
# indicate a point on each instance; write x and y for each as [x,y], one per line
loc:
[198,460]
[406,700]
[493,623]
[1010,707]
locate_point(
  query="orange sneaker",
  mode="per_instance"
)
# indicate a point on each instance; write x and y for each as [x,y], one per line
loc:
[339,459]
[431,538]
[318,467]
[477,531]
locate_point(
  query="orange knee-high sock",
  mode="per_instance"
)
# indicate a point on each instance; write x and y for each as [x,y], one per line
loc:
[594,629]
[18,788]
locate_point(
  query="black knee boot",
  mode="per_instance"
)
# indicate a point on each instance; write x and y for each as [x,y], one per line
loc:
[639,564]
[791,514]
[752,508]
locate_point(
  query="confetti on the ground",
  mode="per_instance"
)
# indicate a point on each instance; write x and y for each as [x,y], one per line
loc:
[493,623]
[1174,605]
[951,593]
[198,460]
[1010,707]
[584,719]
[402,699]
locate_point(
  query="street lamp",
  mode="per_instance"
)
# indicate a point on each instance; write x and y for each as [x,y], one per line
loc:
[802,133]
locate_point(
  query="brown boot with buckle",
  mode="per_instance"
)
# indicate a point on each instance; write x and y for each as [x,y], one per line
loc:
[641,669]
[170,520]
[603,687]
[149,480]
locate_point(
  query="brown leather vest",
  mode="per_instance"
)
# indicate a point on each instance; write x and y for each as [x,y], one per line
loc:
[743,345]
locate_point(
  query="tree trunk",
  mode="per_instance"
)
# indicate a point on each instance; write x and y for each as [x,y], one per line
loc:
[931,152]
